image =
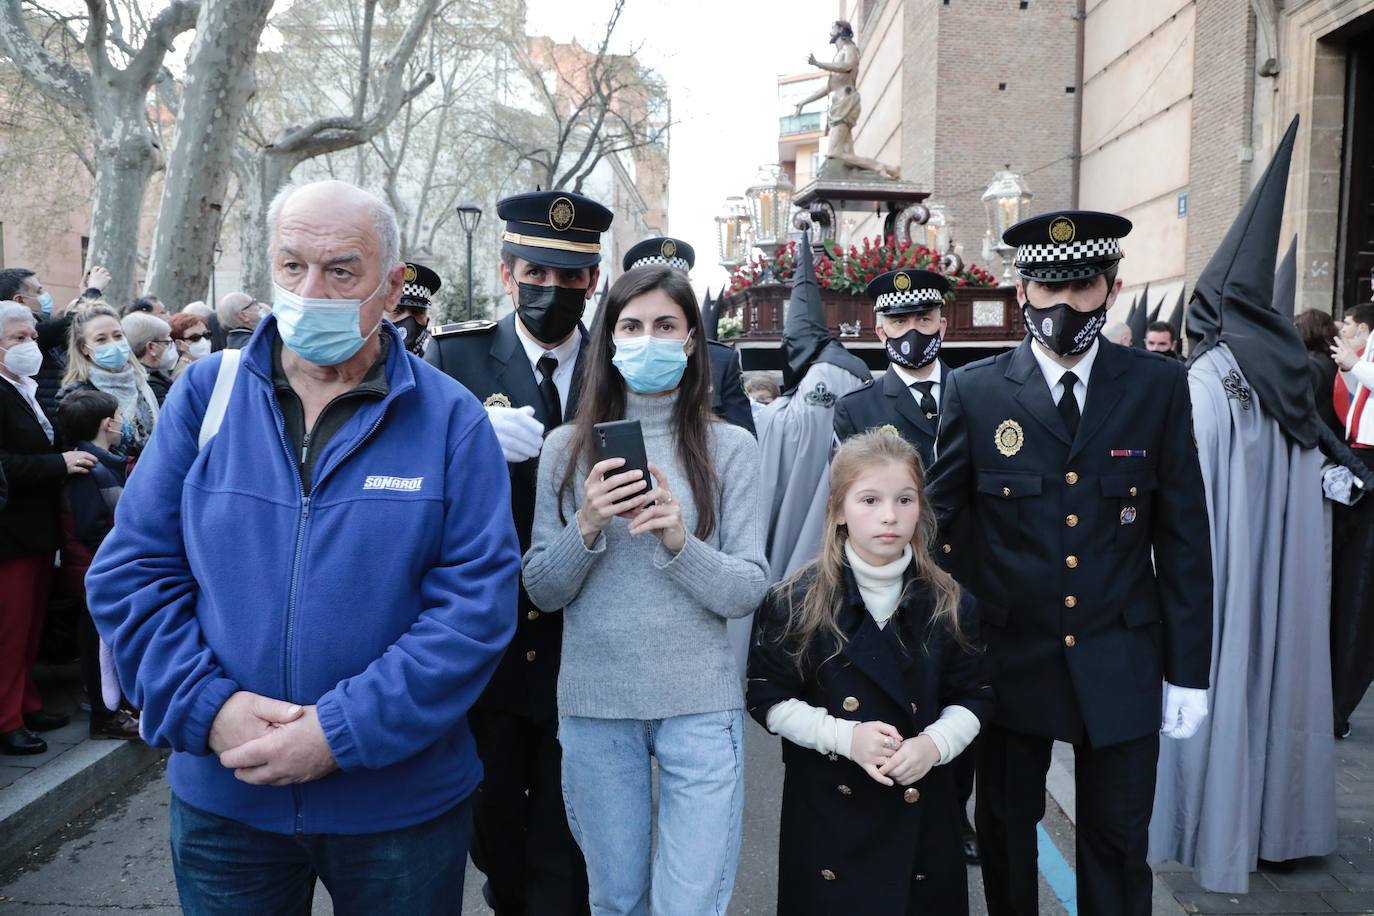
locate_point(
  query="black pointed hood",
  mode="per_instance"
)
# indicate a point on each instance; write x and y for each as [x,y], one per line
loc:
[1286,282]
[1140,320]
[1176,319]
[805,337]
[1154,315]
[1233,303]
[710,316]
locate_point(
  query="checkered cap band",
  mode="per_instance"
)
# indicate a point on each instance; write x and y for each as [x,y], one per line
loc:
[675,263]
[415,291]
[889,301]
[1081,250]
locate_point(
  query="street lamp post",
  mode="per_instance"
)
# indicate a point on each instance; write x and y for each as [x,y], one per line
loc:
[1007,199]
[469,215]
[732,232]
[770,210]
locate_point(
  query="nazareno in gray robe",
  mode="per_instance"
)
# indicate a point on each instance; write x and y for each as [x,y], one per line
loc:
[1258,779]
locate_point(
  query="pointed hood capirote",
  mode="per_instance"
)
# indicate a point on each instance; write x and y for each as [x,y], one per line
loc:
[1140,320]
[1286,282]
[805,337]
[710,316]
[1233,303]
[1154,313]
[1176,319]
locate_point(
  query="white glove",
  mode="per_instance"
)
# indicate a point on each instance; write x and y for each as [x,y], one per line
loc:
[1184,710]
[520,434]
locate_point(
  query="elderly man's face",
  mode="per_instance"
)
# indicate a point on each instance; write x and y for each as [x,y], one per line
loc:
[326,247]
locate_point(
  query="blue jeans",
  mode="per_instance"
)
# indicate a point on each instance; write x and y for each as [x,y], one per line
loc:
[608,792]
[223,866]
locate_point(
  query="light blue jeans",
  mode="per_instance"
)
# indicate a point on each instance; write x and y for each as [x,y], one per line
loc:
[608,793]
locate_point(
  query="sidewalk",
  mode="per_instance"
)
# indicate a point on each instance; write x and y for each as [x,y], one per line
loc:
[1339,883]
[41,793]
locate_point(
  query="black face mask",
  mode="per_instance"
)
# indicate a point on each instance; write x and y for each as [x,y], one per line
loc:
[550,313]
[414,334]
[913,350]
[1063,329]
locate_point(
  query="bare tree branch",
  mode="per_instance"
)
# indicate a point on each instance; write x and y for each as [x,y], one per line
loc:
[57,79]
[167,25]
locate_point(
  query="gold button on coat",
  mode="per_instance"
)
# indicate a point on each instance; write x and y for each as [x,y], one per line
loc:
[1070,602]
[1071,478]
[850,704]
[911,796]
[1070,641]
[532,615]
[1071,561]
[947,548]
[1133,491]
[844,790]
[918,878]
[913,707]
[1071,521]
[530,655]
[827,874]
[1006,491]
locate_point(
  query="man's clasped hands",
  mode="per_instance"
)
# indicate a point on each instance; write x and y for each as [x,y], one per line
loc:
[270,742]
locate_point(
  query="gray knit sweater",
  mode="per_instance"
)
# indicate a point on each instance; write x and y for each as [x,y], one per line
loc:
[644,630]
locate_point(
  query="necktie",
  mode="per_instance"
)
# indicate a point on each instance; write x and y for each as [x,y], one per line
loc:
[1068,404]
[928,405]
[553,405]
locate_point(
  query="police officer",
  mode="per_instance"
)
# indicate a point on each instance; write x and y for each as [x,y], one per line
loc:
[1071,503]
[728,399]
[526,368]
[908,311]
[411,314]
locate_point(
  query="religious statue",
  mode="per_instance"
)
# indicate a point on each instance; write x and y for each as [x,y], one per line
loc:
[844,107]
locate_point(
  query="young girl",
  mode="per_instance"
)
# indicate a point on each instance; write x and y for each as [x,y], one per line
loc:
[646,574]
[863,661]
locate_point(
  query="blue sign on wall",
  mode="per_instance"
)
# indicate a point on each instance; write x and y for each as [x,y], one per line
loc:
[1182,204]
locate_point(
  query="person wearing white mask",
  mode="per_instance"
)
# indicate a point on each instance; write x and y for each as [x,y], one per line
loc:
[99,356]
[35,468]
[192,337]
[150,341]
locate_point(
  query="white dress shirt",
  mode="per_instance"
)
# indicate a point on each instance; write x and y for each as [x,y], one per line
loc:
[1054,373]
[909,379]
[28,390]
[565,353]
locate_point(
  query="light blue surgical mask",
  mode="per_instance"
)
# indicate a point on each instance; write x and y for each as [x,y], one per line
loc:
[45,304]
[320,331]
[650,365]
[112,356]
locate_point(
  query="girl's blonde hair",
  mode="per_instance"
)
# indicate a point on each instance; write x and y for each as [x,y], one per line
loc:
[78,363]
[821,603]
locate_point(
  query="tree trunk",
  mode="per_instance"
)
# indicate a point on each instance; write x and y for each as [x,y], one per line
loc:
[271,172]
[219,82]
[125,159]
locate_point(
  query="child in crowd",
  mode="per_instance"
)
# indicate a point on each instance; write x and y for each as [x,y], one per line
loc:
[864,662]
[90,420]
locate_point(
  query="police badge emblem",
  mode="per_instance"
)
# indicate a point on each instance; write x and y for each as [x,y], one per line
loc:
[561,214]
[1009,437]
[497,400]
[901,283]
[1062,231]
[889,429]
[1128,515]
[668,249]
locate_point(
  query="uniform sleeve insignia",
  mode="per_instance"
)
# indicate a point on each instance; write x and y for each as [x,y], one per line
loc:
[890,430]
[1009,437]
[497,400]
[463,327]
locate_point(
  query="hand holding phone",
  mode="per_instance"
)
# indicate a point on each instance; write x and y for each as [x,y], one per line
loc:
[662,516]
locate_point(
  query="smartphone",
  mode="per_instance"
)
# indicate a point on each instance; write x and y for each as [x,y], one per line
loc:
[623,439]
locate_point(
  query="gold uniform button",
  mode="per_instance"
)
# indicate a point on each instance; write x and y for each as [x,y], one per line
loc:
[1070,602]
[911,796]
[1071,561]
[1070,641]
[530,655]
[918,878]
[913,707]
[532,615]
[947,548]
[1133,491]
[1006,491]
[1071,478]
[850,704]
[827,874]
[844,790]
[833,756]
[1071,521]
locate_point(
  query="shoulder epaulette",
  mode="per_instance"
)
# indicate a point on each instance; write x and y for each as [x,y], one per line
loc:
[463,327]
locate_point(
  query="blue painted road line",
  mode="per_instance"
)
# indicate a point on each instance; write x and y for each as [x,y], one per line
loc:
[1057,872]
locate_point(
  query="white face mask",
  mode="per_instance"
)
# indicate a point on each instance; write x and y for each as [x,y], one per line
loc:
[24,359]
[198,348]
[168,361]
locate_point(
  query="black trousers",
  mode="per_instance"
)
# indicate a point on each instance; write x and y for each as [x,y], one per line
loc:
[521,840]
[1115,789]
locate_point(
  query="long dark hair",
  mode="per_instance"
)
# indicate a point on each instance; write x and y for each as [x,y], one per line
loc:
[601,397]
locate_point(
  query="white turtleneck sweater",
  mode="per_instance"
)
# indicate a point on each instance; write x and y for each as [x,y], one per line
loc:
[810,726]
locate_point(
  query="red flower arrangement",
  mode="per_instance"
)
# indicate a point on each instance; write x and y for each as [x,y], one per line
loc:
[851,271]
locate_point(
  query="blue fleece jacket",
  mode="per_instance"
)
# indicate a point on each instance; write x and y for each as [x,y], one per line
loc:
[386,595]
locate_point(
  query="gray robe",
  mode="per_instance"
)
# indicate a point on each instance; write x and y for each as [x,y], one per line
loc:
[1258,779]
[796,432]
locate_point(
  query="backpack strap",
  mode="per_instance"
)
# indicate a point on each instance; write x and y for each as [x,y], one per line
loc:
[219,398]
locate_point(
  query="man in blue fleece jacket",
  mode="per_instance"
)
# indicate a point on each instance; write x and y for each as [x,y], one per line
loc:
[307,625]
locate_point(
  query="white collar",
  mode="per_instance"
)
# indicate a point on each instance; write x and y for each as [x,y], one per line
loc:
[27,386]
[1054,373]
[565,352]
[909,379]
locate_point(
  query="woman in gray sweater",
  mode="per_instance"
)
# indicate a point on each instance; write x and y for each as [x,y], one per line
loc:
[646,574]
